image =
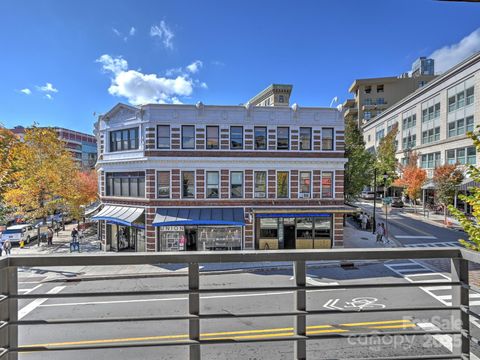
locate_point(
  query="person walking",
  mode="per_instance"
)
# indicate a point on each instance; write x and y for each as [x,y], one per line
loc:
[364,220]
[50,236]
[74,235]
[7,247]
[380,231]
[385,235]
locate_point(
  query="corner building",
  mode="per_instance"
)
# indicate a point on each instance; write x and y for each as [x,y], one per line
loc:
[200,177]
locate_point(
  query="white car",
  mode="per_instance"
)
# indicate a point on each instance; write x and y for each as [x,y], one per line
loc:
[16,233]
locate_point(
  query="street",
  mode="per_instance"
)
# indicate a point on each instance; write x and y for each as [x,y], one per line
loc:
[237,303]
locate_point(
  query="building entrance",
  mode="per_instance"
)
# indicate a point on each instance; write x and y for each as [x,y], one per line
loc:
[289,236]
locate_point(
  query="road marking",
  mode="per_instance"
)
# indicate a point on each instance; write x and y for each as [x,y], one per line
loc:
[28,291]
[260,333]
[176,299]
[436,244]
[415,237]
[314,282]
[37,302]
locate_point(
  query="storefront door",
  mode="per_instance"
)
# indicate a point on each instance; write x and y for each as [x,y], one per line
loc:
[289,236]
[191,235]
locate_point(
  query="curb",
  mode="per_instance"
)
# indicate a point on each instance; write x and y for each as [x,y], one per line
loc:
[431,222]
[80,278]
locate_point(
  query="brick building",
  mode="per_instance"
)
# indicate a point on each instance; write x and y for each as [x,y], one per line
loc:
[200,177]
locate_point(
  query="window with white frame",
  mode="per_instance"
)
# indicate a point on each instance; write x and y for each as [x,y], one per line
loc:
[430,161]
[283,138]
[236,137]
[327,184]
[236,184]
[188,184]
[163,184]
[282,184]
[125,139]
[327,138]
[260,184]
[305,179]
[212,137]
[213,185]
[305,138]
[460,126]
[461,95]
[462,156]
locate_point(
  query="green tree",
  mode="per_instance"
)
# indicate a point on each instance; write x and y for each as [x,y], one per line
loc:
[471,226]
[359,168]
[386,159]
[446,178]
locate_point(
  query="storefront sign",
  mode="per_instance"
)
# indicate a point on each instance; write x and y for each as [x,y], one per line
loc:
[172,228]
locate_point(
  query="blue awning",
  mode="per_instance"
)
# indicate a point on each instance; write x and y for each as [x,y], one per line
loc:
[123,215]
[291,215]
[199,216]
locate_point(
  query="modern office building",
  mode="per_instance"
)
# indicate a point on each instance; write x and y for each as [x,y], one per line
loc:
[434,120]
[82,146]
[373,96]
[206,177]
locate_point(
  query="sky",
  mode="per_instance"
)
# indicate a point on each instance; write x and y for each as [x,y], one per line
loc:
[62,63]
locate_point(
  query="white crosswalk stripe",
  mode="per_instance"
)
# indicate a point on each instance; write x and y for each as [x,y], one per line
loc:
[415,272]
[435,244]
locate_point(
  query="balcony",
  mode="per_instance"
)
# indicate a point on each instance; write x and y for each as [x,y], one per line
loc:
[374,106]
[302,339]
[352,111]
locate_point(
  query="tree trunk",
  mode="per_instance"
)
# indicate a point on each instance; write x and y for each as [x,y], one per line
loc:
[445,214]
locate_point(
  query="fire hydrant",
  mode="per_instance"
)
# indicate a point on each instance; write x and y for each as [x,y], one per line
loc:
[22,244]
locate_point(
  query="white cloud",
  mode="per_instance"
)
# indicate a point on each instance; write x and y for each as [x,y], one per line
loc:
[195,66]
[140,88]
[115,65]
[48,88]
[116,32]
[26,91]
[132,31]
[450,55]
[163,32]
[48,96]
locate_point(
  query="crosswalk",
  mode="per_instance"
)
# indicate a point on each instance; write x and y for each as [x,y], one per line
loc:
[435,244]
[413,272]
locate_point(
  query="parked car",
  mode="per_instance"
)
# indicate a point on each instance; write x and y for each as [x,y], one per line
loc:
[397,202]
[368,195]
[16,233]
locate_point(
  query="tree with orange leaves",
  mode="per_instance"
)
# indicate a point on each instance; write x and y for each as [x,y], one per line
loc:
[44,169]
[412,178]
[86,192]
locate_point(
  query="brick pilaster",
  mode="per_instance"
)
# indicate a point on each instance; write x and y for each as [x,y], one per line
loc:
[271,184]
[176,186]
[200,177]
[337,230]
[175,133]
[150,186]
[339,184]
[150,229]
[224,184]
[316,184]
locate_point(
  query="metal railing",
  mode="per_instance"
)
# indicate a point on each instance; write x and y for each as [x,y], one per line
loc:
[9,347]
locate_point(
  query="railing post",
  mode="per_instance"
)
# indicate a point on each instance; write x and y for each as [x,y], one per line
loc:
[460,297]
[9,311]
[194,309]
[300,305]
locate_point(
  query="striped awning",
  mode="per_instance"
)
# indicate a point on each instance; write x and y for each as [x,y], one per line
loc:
[467,183]
[199,216]
[123,215]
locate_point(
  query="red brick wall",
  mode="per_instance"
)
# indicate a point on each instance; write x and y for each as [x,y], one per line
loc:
[338,230]
[249,243]
[224,139]
[150,230]
[317,140]
[316,184]
[339,185]
[150,135]
[294,184]
[150,186]
[200,183]
[200,138]
[248,139]
[175,140]
[340,140]
[271,184]
[175,186]
[248,178]
[224,184]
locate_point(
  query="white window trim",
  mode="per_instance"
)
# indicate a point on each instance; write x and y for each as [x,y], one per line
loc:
[194,184]
[219,183]
[140,139]
[311,182]
[255,182]
[230,184]
[156,184]
[288,184]
[194,137]
[334,145]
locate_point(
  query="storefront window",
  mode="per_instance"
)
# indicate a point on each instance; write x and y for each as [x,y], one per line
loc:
[282,184]
[219,238]
[304,228]
[269,228]
[188,184]
[260,184]
[236,184]
[212,184]
[322,227]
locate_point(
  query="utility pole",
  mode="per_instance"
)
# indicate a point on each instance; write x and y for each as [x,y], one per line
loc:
[374,198]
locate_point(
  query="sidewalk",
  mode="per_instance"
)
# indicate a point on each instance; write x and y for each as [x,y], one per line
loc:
[354,238]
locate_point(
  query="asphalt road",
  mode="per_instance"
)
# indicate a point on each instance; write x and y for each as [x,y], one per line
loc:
[241,328]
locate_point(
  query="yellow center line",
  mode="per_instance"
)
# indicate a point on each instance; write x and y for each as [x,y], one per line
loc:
[242,334]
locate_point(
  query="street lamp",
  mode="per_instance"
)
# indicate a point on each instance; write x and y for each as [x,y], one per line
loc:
[385,203]
[374,199]
[385,177]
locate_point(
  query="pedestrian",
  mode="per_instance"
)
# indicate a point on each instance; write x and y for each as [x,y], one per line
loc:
[385,235]
[380,231]
[50,236]
[7,246]
[364,221]
[74,235]
[57,229]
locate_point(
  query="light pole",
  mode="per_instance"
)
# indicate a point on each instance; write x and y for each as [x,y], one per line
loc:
[374,199]
[385,204]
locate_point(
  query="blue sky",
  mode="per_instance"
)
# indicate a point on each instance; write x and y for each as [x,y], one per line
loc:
[61,61]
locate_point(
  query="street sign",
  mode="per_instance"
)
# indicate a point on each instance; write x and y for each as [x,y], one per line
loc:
[387,208]
[387,200]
